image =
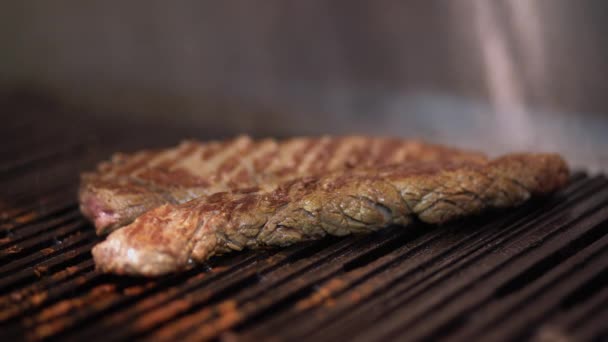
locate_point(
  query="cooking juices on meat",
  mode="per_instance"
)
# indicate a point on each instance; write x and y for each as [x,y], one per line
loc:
[353,198]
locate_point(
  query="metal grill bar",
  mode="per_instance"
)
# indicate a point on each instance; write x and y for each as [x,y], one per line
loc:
[19,232]
[579,317]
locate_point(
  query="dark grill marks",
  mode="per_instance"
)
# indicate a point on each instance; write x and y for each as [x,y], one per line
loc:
[176,177]
[136,163]
[343,156]
[232,148]
[536,271]
[233,161]
[307,146]
[293,162]
[387,151]
[326,154]
[261,163]
[212,149]
[358,154]
[311,155]
[186,152]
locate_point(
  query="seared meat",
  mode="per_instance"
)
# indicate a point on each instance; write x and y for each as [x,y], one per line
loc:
[129,185]
[343,202]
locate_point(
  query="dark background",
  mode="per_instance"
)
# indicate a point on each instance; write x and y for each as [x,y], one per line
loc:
[492,75]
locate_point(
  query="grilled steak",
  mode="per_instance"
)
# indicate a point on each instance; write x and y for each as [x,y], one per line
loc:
[343,202]
[129,185]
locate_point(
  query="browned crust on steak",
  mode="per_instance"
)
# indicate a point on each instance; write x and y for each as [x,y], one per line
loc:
[340,203]
[129,185]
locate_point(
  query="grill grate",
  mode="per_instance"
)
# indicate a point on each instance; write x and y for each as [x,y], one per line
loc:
[536,272]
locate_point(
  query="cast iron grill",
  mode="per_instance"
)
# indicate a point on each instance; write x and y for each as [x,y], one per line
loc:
[538,272]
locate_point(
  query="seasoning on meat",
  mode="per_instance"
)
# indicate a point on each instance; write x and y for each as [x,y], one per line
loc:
[129,185]
[344,202]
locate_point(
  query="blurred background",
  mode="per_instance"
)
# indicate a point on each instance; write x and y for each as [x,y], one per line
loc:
[491,75]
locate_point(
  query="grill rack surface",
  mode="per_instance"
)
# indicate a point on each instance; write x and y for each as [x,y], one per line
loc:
[538,272]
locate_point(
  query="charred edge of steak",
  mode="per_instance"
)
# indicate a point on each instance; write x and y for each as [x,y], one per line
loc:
[128,186]
[164,240]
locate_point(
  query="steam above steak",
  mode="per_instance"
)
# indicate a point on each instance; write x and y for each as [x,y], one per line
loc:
[344,201]
[129,185]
